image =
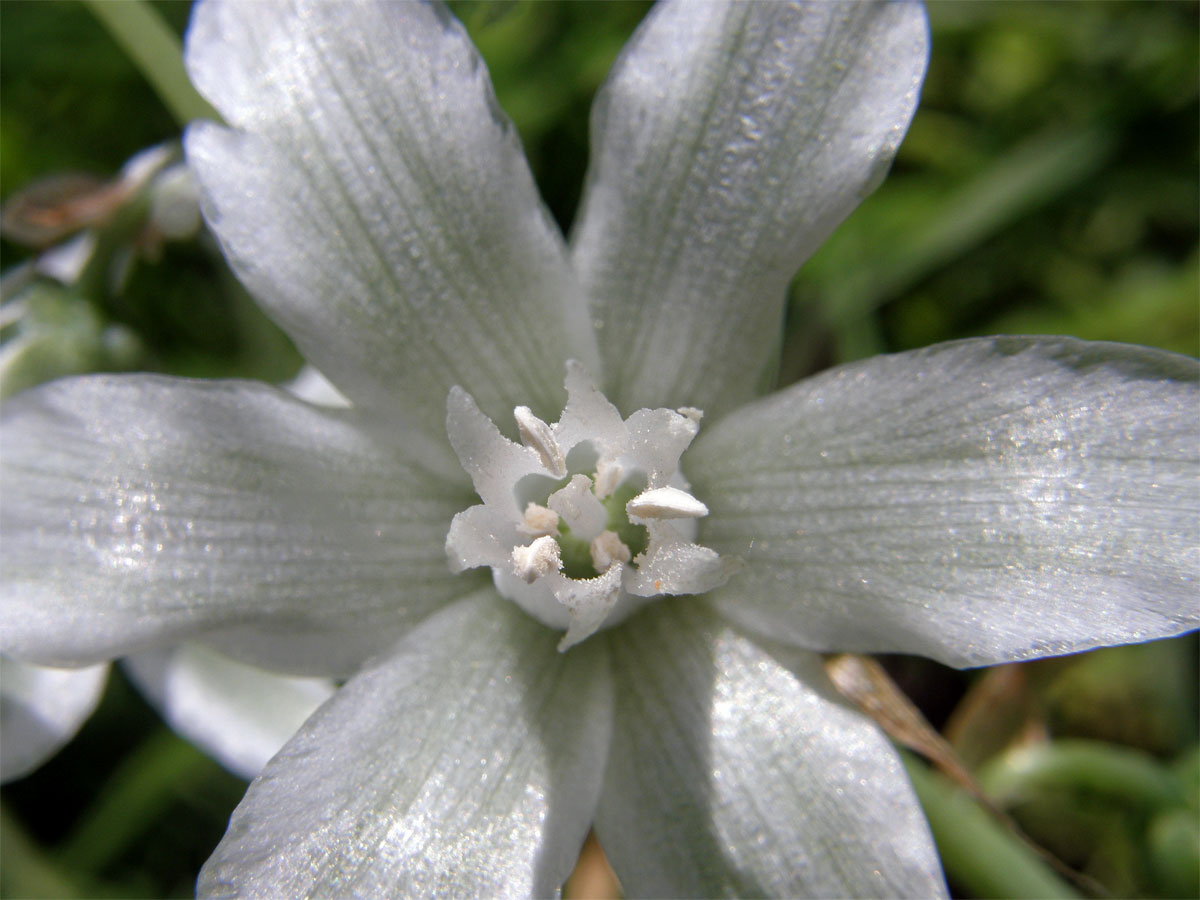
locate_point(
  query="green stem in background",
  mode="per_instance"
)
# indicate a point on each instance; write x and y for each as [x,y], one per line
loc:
[148,781]
[1027,178]
[979,854]
[155,50]
[1133,778]
[25,870]
[1030,176]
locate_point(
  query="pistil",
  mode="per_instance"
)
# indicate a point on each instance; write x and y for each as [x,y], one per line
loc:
[597,543]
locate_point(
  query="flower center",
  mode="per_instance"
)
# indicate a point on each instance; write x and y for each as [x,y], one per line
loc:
[586,519]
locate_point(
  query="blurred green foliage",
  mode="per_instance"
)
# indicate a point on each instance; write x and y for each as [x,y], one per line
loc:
[72,100]
[1048,184]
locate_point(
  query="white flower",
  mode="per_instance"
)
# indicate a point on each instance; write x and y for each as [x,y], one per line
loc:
[986,500]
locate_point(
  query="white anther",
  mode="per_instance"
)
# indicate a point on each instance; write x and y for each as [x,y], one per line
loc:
[665,503]
[538,521]
[690,412]
[537,434]
[538,559]
[607,548]
[608,476]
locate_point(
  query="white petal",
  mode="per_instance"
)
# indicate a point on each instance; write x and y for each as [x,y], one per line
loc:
[588,415]
[980,501]
[494,463]
[481,536]
[674,566]
[657,438]
[465,762]
[588,602]
[376,200]
[40,710]
[238,714]
[731,775]
[729,141]
[143,510]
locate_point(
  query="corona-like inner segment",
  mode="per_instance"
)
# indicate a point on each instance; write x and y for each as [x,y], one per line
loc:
[586,519]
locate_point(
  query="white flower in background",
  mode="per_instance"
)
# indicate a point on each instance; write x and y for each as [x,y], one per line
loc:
[981,501]
[238,714]
[40,710]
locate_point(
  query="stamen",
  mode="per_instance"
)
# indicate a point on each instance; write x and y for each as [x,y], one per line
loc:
[607,548]
[538,559]
[608,475]
[537,435]
[666,503]
[538,521]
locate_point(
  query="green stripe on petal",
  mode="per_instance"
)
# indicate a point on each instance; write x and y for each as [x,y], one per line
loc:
[141,511]
[736,773]
[981,501]
[465,762]
[730,139]
[376,201]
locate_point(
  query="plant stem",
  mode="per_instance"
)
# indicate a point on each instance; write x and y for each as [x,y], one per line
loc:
[979,854]
[148,781]
[155,50]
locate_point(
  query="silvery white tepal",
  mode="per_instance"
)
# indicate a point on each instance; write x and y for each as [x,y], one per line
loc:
[572,567]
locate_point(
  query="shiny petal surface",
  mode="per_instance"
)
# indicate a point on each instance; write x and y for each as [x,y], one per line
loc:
[737,773]
[141,511]
[40,710]
[466,762]
[376,200]
[728,142]
[238,714]
[980,501]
